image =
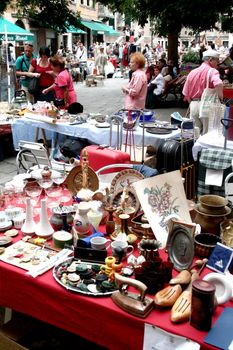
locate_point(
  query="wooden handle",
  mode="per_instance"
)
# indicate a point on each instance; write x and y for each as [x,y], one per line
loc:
[121,280]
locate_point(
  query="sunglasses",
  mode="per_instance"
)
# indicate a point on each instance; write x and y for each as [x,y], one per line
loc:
[28,45]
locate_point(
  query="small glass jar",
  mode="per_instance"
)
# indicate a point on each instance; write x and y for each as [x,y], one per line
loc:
[202,304]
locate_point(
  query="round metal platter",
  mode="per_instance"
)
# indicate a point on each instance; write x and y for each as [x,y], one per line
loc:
[156,130]
[89,291]
[180,247]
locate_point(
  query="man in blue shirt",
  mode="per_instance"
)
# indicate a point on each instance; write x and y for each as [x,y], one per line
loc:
[22,65]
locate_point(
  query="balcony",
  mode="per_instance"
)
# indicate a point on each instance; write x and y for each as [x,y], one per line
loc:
[103,12]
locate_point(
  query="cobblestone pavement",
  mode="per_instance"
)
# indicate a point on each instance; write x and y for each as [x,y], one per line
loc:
[106,99]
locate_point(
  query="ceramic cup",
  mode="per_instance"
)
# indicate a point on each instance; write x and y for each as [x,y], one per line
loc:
[11,213]
[19,221]
[99,243]
[121,249]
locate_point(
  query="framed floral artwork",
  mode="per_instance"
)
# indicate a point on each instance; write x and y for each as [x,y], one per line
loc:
[163,197]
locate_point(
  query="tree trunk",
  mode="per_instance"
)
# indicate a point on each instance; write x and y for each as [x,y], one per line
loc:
[173,48]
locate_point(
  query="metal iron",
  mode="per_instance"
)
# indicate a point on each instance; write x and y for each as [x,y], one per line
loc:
[135,304]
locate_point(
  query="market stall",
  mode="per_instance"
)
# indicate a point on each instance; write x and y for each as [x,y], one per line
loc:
[73,294]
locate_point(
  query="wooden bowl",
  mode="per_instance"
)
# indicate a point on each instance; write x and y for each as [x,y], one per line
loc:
[204,244]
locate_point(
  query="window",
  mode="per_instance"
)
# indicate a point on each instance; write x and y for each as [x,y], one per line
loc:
[88,2]
[82,2]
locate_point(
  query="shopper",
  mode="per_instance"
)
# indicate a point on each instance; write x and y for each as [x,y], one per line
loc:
[101,61]
[196,83]
[22,66]
[43,67]
[135,91]
[63,85]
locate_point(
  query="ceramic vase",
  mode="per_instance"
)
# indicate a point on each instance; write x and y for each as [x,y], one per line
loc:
[44,228]
[94,217]
[29,225]
[81,222]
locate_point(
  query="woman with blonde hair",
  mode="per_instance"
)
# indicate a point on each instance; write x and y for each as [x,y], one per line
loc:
[135,91]
[63,84]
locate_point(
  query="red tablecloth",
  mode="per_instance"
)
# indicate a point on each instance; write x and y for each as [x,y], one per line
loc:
[95,318]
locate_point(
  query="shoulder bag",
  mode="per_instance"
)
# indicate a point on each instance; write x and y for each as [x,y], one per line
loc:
[33,86]
[209,96]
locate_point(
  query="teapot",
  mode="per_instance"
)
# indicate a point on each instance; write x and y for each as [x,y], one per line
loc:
[58,213]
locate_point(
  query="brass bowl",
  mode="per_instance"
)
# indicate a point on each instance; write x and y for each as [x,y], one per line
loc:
[213,203]
[204,244]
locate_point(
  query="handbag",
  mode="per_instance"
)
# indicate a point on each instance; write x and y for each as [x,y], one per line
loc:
[209,96]
[33,86]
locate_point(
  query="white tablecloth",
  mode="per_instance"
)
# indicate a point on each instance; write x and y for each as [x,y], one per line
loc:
[24,129]
[210,140]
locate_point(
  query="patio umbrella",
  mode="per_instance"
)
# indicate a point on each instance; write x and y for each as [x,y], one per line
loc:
[11,32]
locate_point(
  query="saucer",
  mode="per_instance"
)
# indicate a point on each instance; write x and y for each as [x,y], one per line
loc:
[5,226]
[102,125]
[4,241]
[227,212]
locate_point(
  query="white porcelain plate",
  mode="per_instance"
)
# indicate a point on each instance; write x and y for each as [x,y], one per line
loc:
[5,226]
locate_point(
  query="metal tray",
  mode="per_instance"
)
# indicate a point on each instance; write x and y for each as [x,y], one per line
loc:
[66,263]
[180,246]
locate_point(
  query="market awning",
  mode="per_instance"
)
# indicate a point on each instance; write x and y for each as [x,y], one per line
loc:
[14,32]
[99,27]
[94,26]
[74,30]
[111,31]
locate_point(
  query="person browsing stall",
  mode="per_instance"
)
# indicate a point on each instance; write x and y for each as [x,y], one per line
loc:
[43,67]
[196,83]
[22,66]
[135,91]
[63,84]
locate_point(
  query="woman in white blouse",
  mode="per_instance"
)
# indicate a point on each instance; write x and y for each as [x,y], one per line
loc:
[155,89]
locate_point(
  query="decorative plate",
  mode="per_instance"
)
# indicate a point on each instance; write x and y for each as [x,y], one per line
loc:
[180,246]
[124,179]
[80,277]
[132,201]
[74,180]
[158,130]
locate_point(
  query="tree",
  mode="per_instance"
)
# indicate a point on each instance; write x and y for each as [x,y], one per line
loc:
[54,14]
[168,17]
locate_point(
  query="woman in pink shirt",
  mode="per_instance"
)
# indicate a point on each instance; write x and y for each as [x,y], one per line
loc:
[63,84]
[136,90]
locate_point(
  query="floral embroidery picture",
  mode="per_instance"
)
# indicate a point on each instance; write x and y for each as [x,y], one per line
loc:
[161,201]
[162,197]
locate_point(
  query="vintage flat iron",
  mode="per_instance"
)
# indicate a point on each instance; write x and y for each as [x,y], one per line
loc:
[133,303]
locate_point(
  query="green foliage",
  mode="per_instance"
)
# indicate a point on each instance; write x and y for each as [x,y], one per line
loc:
[54,14]
[191,57]
[170,16]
